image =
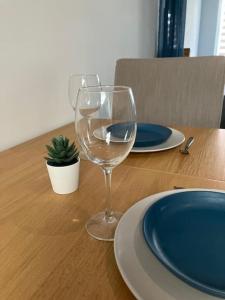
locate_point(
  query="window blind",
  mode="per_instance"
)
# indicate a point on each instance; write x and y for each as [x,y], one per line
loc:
[221,35]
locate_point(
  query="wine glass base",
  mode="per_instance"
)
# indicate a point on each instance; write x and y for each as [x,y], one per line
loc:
[103,230]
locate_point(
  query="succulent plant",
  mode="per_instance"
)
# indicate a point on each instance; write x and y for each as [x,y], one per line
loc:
[61,153]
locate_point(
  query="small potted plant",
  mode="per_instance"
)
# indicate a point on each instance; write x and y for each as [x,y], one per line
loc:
[63,164]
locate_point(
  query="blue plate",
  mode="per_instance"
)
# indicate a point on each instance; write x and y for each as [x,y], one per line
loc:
[147,134]
[186,232]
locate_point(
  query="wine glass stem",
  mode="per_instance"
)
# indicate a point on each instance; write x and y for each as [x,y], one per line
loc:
[108,212]
[89,129]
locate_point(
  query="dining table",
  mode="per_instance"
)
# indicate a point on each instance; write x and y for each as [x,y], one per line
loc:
[45,251]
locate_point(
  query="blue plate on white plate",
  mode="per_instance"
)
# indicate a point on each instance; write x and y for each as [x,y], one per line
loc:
[186,232]
[147,134]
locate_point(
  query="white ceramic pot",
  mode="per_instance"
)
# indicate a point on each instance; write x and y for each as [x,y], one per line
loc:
[64,180]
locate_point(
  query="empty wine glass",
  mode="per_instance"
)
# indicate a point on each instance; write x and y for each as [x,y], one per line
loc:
[105,124]
[77,81]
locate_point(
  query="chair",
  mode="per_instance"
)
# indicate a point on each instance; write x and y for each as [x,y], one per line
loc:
[186,91]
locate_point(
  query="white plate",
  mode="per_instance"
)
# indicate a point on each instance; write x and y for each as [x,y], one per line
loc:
[176,138]
[145,276]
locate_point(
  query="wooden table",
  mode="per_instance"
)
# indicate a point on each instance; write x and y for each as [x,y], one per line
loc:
[206,159]
[45,252]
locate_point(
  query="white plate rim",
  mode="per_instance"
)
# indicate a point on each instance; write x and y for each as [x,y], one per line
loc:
[194,294]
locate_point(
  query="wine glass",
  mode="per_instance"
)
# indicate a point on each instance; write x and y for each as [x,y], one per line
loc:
[105,125]
[77,81]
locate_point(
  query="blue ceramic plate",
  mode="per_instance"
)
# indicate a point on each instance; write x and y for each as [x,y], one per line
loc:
[186,232]
[147,134]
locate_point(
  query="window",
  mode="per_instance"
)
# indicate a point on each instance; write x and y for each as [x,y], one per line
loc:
[221,33]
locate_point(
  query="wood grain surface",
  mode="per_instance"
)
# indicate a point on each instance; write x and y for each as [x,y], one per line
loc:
[45,252]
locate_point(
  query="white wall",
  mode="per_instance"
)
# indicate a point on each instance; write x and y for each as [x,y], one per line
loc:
[193,15]
[42,42]
[208,27]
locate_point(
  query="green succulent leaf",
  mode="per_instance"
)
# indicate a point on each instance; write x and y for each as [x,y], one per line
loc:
[70,153]
[68,159]
[50,149]
[57,160]
[59,148]
[62,154]
[54,142]
[66,142]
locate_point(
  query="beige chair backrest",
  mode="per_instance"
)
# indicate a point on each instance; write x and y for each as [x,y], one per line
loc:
[175,91]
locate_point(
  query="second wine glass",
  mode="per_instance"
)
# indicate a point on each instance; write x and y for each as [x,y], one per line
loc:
[106,127]
[77,81]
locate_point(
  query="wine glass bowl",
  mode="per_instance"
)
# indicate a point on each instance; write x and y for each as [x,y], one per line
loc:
[77,81]
[105,125]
